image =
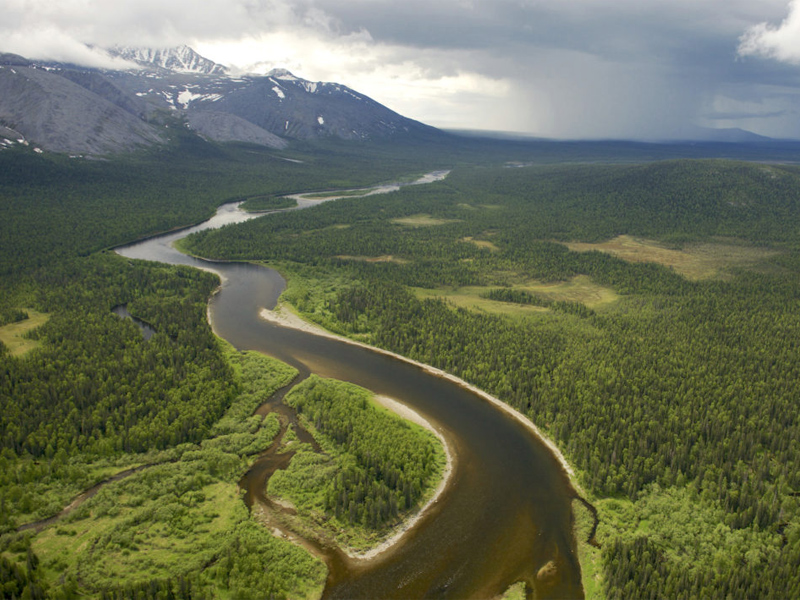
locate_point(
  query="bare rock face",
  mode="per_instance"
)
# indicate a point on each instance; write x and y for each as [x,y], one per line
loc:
[59,115]
[80,110]
[225,127]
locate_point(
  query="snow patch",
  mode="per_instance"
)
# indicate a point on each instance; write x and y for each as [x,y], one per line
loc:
[169,99]
[282,74]
[279,92]
[349,93]
[311,88]
[320,120]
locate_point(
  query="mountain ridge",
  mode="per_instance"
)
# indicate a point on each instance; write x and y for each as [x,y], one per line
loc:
[85,110]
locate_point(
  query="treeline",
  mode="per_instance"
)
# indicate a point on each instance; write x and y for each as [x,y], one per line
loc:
[384,464]
[523,297]
[688,385]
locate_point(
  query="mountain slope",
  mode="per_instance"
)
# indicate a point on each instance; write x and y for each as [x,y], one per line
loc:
[180,59]
[60,115]
[67,108]
[289,106]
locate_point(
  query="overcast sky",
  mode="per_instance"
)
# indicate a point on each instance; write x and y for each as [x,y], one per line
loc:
[645,69]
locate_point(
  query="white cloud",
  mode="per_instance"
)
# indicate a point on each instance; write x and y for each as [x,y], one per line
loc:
[781,42]
[551,67]
[48,43]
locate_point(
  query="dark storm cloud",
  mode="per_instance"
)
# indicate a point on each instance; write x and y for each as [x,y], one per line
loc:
[575,68]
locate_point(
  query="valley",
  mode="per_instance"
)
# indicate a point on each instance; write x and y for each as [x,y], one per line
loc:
[642,315]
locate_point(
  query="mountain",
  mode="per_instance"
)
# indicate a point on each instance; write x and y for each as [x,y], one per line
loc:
[731,135]
[55,113]
[82,110]
[180,59]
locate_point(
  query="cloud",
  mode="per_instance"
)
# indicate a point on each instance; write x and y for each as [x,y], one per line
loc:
[595,68]
[48,43]
[781,43]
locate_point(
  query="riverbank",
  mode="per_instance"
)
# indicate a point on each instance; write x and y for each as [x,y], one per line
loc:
[284,317]
[409,414]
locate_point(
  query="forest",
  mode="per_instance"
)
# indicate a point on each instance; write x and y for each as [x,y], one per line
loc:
[376,467]
[89,399]
[673,395]
[676,401]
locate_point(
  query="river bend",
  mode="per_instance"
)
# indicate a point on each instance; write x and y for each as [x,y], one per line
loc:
[507,512]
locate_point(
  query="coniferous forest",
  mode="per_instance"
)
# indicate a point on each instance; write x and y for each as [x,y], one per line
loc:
[645,316]
[672,391]
[86,399]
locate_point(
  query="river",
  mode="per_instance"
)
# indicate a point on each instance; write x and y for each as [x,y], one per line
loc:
[507,512]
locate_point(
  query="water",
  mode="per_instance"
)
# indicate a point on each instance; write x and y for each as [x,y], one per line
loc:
[507,512]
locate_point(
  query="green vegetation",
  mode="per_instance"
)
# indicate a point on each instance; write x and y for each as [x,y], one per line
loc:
[265,203]
[179,524]
[21,322]
[695,261]
[338,194]
[375,469]
[421,221]
[515,592]
[589,554]
[53,207]
[674,398]
[682,390]
[91,399]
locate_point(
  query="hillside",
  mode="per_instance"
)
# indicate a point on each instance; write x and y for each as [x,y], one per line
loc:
[79,110]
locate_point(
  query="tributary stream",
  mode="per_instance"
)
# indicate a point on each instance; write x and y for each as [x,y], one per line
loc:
[507,512]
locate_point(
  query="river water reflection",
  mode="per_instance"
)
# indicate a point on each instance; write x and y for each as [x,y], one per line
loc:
[508,510]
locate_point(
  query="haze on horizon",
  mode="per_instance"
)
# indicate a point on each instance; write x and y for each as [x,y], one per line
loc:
[553,68]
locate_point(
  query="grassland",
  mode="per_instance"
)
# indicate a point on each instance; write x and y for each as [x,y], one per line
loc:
[13,334]
[695,261]
[181,519]
[591,561]
[422,220]
[375,259]
[578,289]
[481,244]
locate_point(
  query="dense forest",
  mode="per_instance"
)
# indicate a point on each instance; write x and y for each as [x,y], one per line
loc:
[675,397]
[376,467]
[90,399]
[676,401]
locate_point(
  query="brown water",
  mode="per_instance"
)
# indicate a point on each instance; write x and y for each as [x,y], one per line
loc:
[507,512]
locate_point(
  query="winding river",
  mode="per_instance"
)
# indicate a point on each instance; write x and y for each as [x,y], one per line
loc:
[506,515]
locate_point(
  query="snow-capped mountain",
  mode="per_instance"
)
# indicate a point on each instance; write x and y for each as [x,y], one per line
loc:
[179,59]
[76,109]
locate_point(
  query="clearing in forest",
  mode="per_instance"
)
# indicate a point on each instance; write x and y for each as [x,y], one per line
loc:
[696,261]
[422,220]
[12,335]
[578,289]
[481,244]
[375,259]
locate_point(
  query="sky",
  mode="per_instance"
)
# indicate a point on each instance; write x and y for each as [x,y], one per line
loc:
[570,69]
